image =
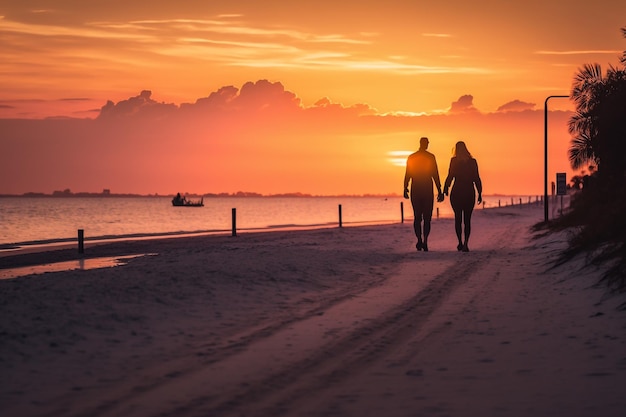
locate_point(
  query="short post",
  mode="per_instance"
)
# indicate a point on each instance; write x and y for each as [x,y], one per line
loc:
[81,241]
[499,203]
[340,219]
[437,212]
[234,233]
[402,211]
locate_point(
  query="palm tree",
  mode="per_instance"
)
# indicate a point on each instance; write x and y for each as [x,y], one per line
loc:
[598,130]
[599,125]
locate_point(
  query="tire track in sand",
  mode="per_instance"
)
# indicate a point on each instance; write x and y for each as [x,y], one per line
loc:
[274,392]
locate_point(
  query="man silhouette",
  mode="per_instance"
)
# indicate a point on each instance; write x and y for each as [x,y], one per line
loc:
[421,171]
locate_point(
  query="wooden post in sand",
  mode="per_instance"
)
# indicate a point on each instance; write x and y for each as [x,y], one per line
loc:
[340,219]
[234,222]
[81,241]
[402,211]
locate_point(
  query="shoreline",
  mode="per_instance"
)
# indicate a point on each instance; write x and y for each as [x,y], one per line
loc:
[68,251]
[23,248]
[51,243]
[63,228]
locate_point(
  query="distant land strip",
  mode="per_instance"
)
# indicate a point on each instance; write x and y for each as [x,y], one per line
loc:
[105,194]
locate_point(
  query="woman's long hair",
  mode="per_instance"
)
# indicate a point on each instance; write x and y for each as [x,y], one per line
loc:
[461,152]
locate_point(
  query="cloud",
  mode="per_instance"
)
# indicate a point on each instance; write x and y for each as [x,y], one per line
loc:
[516,105]
[579,52]
[437,35]
[138,106]
[264,94]
[217,99]
[260,97]
[39,108]
[326,105]
[242,44]
[65,32]
[463,105]
[263,97]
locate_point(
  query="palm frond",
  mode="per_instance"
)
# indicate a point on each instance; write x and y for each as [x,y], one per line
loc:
[581,151]
[589,74]
[580,122]
[586,83]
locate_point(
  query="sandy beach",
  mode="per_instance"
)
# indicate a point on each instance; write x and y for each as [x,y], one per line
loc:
[332,322]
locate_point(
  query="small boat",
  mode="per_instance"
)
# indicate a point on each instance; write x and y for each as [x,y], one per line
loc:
[179,201]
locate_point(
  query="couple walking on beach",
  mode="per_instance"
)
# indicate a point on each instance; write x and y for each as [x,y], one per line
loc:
[421,171]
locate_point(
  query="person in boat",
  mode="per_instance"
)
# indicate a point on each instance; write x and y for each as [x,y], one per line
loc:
[179,200]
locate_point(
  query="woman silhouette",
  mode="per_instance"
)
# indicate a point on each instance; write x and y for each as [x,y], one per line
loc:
[464,171]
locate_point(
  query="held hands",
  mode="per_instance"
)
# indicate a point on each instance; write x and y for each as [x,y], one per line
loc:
[440,197]
[406,193]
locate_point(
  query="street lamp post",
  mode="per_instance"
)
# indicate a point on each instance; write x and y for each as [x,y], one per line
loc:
[545,162]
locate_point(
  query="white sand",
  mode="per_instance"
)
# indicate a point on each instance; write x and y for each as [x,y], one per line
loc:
[335,322]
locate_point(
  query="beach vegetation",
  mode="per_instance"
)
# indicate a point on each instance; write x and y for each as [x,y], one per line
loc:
[597,214]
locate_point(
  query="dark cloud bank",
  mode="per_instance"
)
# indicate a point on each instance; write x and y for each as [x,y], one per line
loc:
[141,139]
[260,97]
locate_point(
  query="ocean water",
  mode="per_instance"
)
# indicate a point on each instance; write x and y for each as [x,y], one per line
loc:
[29,220]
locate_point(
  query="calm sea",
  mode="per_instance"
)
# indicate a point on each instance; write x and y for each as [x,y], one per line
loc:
[29,220]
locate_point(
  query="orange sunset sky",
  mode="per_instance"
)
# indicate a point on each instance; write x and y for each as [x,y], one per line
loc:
[320,97]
